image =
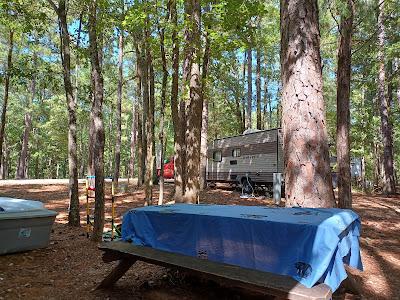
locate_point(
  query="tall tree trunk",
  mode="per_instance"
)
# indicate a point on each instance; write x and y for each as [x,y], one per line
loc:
[145,109]
[390,91]
[268,101]
[343,107]
[81,156]
[132,157]
[97,78]
[4,161]
[278,116]
[390,84]
[194,113]
[6,90]
[249,87]
[363,179]
[119,107]
[73,215]
[22,160]
[267,106]
[78,41]
[239,114]
[148,92]
[243,98]
[23,156]
[397,68]
[109,166]
[377,173]
[264,123]
[92,138]
[140,113]
[308,180]
[204,117]
[140,152]
[162,112]
[174,105]
[386,128]
[181,151]
[258,88]
[150,135]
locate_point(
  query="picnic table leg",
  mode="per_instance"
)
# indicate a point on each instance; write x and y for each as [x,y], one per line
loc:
[122,267]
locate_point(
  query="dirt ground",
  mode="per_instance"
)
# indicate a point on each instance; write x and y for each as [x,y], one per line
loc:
[71,266]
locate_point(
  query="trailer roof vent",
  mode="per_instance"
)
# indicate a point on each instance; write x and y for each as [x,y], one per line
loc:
[250,130]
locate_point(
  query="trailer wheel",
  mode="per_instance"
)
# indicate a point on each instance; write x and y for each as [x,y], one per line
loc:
[247,185]
[211,184]
[268,191]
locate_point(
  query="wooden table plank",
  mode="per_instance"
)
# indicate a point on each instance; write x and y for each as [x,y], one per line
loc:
[264,282]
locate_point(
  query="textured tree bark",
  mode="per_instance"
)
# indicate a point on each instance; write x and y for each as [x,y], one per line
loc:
[97,78]
[149,124]
[386,128]
[239,113]
[81,157]
[204,116]
[308,180]
[264,123]
[174,106]
[6,90]
[267,104]
[363,180]
[267,107]
[249,87]
[194,112]
[343,106]
[73,216]
[140,114]
[119,107]
[5,162]
[91,131]
[258,88]
[133,134]
[180,159]
[162,111]
[243,98]
[397,67]
[145,107]
[23,156]
[108,167]
[140,154]
[77,59]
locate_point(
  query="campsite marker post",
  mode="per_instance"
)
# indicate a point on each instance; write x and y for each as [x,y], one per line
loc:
[277,187]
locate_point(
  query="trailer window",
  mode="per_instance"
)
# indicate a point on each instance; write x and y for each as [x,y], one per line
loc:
[236,152]
[217,156]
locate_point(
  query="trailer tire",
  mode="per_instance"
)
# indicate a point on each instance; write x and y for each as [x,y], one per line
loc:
[247,185]
[211,184]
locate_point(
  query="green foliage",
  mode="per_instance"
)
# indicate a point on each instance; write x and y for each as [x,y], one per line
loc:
[232,27]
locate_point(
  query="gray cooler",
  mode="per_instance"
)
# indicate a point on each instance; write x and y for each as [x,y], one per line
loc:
[24,225]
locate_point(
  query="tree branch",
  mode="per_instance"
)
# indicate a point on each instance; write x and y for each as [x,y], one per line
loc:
[53,5]
[334,18]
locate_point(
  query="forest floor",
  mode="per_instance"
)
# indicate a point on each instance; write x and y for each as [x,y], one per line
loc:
[71,266]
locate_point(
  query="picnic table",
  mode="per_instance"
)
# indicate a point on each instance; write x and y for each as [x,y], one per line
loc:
[303,250]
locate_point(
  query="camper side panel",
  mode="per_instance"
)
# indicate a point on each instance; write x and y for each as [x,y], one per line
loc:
[255,155]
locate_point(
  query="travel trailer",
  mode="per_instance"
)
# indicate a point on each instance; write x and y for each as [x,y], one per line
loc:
[250,158]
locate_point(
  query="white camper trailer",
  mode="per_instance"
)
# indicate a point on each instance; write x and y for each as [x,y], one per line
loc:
[253,156]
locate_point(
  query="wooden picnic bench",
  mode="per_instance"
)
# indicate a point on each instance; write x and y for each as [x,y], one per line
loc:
[282,287]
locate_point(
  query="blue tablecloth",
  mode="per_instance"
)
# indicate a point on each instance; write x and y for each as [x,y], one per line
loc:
[310,245]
